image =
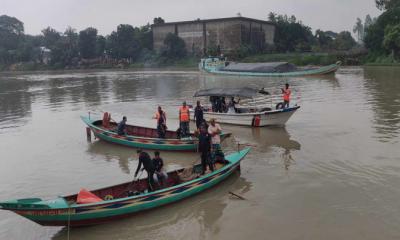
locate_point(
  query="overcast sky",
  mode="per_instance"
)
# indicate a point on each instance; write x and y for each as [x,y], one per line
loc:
[105,15]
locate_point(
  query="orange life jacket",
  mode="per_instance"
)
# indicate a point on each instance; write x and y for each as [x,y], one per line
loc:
[184,114]
[106,120]
[286,94]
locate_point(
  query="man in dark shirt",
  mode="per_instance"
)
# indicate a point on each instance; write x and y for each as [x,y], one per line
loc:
[148,165]
[205,148]
[161,175]
[198,115]
[121,129]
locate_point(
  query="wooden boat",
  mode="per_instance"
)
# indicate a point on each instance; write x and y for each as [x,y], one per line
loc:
[142,137]
[123,199]
[255,113]
[223,67]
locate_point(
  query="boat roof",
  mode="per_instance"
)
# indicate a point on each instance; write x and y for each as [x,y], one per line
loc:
[245,92]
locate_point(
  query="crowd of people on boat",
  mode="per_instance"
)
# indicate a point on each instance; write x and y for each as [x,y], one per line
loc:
[208,135]
[219,104]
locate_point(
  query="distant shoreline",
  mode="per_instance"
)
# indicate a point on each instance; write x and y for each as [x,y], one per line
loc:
[299,59]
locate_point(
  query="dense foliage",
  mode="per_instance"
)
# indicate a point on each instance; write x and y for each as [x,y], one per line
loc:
[382,36]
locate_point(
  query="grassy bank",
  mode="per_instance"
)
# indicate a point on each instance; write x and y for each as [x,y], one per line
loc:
[186,63]
[299,59]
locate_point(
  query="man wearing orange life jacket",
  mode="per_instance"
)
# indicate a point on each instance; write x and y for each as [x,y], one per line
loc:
[184,118]
[286,95]
[161,122]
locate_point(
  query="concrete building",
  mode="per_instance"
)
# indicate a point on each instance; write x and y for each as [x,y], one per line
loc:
[226,34]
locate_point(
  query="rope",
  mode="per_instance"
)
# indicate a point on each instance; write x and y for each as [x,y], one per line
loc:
[69,221]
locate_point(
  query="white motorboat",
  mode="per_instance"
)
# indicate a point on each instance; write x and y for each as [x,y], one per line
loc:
[254,109]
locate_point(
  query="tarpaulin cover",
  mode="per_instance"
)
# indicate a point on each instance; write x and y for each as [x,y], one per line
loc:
[245,92]
[271,67]
[84,196]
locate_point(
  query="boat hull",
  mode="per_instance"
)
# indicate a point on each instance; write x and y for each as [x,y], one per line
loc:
[215,66]
[267,118]
[95,213]
[189,144]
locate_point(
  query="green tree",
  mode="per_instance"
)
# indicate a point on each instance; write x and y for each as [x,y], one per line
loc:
[344,41]
[387,4]
[367,22]
[290,34]
[375,33]
[50,37]
[122,43]
[324,39]
[11,36]
[100,45]
[87,43]
[174,47]
[359,30]
[391,41]
[158,20]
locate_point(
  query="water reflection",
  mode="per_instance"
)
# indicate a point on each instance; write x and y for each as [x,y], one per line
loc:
[127,157]
[199,216]
[382,85]
[15,102]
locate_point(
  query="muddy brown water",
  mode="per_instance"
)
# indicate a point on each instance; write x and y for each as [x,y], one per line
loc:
[332,173]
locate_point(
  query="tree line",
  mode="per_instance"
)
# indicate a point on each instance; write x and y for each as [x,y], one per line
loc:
[129,44]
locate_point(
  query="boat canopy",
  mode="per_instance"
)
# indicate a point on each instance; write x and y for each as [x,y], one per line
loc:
[244,92]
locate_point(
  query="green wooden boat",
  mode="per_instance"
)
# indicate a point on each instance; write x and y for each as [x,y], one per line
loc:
[273,69]
[123,199]
[143,137]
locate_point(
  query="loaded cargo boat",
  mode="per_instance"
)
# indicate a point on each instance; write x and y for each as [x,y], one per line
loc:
[122,200]
[271,69]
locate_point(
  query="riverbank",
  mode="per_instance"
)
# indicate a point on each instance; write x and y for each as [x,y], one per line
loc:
[189,63]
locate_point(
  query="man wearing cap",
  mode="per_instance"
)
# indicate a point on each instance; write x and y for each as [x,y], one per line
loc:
[184,118]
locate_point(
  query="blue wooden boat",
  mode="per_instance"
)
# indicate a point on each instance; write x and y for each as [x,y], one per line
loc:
[122,200]
[143,137]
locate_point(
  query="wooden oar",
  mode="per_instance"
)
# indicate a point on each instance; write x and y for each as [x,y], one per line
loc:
[236,195]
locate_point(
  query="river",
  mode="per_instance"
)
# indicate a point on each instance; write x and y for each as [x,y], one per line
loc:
[332,173]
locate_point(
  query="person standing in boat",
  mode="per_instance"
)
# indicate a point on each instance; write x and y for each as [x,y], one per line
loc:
[160,175]
[215,130]
[161,122]
[121,128]
[184,118]
[204,148]
[144,158]
[198,115]
[286,95]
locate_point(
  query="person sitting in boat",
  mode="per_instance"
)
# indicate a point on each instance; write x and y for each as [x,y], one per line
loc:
[232,105]
[204,148]
[198,114]
[144,158]
[160,175]
[121,129]
[161,122]
[286,95]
